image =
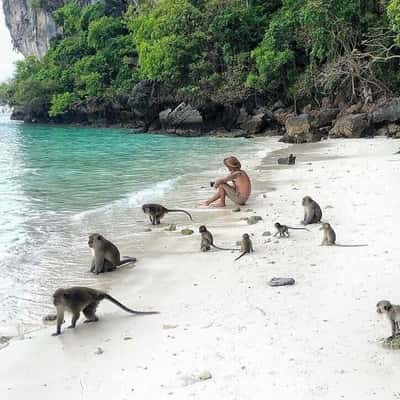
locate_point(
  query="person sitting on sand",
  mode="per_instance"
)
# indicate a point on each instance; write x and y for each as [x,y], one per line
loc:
[239,192]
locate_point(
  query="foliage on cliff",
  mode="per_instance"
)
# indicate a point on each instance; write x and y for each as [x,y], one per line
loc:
[299,50]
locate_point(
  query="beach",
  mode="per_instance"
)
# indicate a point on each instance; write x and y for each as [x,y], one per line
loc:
[219,319]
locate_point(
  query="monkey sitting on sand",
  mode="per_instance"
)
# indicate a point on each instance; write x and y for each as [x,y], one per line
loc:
[207,240]
[291,160]
[246,246]
[312,211]
[393,313]
[77,299]
[106,256]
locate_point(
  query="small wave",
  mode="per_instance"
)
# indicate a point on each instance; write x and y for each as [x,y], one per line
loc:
[132,200]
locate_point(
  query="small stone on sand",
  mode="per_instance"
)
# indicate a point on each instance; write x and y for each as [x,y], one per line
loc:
[237,209]
[187,232]
[253,219]
[267,233]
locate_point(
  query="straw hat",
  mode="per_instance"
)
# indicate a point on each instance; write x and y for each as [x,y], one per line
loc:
[232,162]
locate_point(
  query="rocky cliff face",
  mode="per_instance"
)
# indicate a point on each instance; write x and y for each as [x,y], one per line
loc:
[31,24]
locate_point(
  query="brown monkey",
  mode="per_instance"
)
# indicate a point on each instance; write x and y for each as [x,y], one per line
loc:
[246,246]
[312,211]
[329,237]
[393,313]
[106,256]
[77,299]
[157,211]
[207,240]
[283,230]
[291,160]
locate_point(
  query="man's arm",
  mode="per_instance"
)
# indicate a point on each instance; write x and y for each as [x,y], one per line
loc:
[228,178]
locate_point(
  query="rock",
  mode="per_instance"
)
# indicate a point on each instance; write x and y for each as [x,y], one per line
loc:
[393,130]
[299,130]
[147,230]
[128,338]
[253,219]
[204,375]
[183,117]
[267,233]
[384,131]
[281,281]
[351,126]
[323,117]
[255,124]
[99,351]
[237,209]
[171,228]
[168,326]
[388,111]
[392,343]
[143,101]
[187,232]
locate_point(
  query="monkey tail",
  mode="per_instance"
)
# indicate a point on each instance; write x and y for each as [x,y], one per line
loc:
[183,212]
[127,260]
[221,248]
[299,229]
[117,303]
[351,245]
[237,258]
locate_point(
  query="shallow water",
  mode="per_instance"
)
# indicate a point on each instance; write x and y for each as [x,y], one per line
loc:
[58,184]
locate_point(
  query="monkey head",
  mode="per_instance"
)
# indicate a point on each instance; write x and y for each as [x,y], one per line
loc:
[94,238]
[325,226]
[145,208]
[202,229]
[246,236]
[277,225]
[383,306]
[306,200]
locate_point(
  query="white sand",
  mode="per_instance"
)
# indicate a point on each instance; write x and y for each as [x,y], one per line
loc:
[317,339]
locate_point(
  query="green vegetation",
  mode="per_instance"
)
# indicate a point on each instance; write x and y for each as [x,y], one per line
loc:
[298,50]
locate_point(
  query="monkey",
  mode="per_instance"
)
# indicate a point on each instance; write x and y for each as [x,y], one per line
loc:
[283,230]
[77,299]
[312,211]
[157,211]
[393,313]
[246,246]
[329,237]
[106,256]
[291,160]
[207,240]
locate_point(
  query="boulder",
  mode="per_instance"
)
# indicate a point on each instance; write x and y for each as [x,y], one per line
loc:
[255,124]
[143,102]
[323,117]
[393,130]
[299,130]
[389,111]
[183,117]
[351,126]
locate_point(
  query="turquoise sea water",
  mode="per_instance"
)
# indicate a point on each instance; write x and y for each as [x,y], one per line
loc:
[57,184]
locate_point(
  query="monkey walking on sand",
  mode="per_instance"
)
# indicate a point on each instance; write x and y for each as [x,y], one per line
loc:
[207,240]
[246,246]
[312,211]
[283,230]
[77,299]
[106,256]
[392,311]
[157,211]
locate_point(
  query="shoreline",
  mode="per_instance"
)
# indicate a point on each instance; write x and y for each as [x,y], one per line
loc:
[316,339]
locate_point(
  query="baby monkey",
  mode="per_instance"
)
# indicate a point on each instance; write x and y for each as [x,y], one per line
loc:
[77,299]
[283,230]
[246,246]
[393,313]
[207,240]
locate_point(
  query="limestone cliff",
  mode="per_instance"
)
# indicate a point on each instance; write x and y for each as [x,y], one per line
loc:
[31,24]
